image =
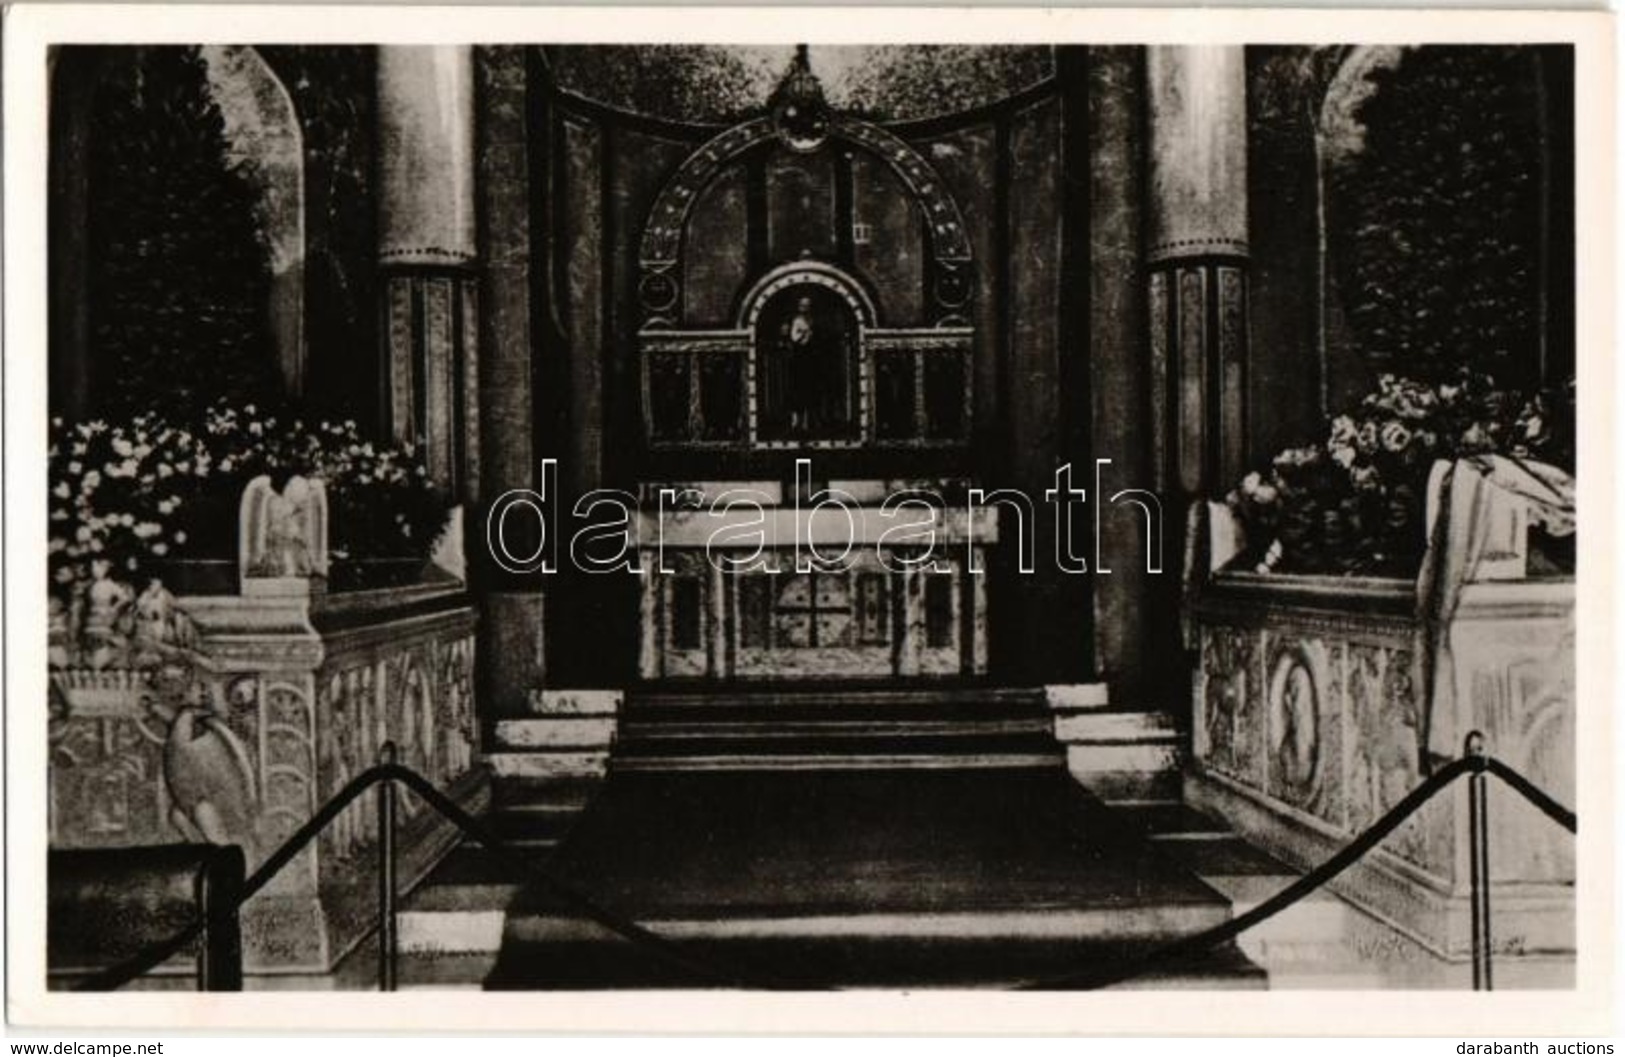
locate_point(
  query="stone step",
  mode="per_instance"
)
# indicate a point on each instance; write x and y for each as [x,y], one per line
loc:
[1222,856]
[837,748]
[572,732]
[1319,922]
[842,761]
[547,766]
[1172,820]
[934,959]
[1118,728]
[769,730]
[447,930]
[1132,786]
[1085,761]
[779,699]
[444,972]
[545,793]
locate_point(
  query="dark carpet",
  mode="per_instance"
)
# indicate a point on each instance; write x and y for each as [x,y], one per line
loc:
[905,878]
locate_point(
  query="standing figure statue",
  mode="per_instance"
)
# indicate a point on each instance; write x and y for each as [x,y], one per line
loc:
[810,347]
[106,606]
[801,353]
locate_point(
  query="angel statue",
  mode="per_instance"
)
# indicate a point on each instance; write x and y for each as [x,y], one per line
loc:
[284,534]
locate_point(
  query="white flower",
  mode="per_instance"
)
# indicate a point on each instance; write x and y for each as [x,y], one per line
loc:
[123,448]
[92,479]
[76,466]
[180,537]
[167,506]
[165,470]
[61,491]
[1344,431]
[147,530]
[160,549]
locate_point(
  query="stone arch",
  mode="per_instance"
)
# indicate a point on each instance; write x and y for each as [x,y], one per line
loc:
[1377,139]
[660,249]
[262,128]
[264,137]
[1337,130]
[808,272]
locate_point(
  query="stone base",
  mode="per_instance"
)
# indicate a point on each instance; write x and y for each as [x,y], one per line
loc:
[312,931]
[1526,918]
[565,734]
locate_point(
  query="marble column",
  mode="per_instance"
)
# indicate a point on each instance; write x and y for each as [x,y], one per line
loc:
[1196,256]
[427,255]
[512,607]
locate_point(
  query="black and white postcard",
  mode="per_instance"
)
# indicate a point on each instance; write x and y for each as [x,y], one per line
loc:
[660,516]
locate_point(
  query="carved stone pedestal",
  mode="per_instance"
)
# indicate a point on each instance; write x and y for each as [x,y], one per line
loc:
[286,697]
[1310,722]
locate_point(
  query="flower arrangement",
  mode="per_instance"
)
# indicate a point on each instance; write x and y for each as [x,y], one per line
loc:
[140,493]
[1353,504]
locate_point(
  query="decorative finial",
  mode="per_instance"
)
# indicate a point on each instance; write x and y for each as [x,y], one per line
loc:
[801,115]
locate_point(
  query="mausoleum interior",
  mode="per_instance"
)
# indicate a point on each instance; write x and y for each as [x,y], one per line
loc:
[876,516]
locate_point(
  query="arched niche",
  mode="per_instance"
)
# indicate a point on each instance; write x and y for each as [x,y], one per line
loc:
[1437,191]
[807,375]
[771,320]
[263,143]
[265,140]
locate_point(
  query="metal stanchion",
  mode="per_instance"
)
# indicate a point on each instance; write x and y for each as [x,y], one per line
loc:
[1478,852]
[387,939]
[220,956]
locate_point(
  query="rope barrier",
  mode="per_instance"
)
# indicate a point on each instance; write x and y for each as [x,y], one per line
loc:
[665,949]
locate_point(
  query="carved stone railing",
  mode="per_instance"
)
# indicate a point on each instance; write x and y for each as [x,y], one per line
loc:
[1312,717]
[235,729]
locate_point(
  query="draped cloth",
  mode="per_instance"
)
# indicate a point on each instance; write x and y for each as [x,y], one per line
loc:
[1479,510]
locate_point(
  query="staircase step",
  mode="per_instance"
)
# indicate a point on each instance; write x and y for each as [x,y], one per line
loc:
[784,698]
[532,827]
[1117,728]
[450,931]
[1132,786]
[1170,820]
[796,712]
[852,961]
[544,793]
[642,733]
[1227,856]
[547,766]
[857,741]
[591,732]
[848,761]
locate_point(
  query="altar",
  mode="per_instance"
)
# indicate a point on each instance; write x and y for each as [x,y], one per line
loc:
[776,591]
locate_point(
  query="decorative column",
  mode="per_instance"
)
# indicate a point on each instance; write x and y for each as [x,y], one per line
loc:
[512,608]
[1196,255]
[427,255]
